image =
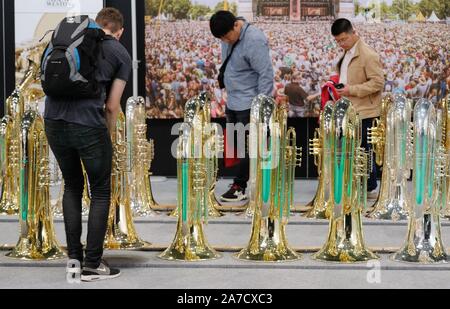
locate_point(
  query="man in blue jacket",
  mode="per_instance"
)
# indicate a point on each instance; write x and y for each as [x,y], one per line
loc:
[246,72]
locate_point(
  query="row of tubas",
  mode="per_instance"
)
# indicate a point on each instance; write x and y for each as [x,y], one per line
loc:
[343,171]
[400,145]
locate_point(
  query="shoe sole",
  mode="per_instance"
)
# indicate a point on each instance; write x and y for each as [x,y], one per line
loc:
[92,278]
[224,199]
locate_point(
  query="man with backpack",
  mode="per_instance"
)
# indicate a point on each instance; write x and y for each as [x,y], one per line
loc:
[84,71]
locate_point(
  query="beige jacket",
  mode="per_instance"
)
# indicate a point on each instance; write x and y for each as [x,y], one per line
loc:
[365,80]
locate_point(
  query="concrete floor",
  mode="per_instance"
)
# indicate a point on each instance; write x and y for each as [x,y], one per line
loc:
[143,269]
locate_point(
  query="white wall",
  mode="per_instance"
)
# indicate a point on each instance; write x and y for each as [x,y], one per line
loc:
[28,14]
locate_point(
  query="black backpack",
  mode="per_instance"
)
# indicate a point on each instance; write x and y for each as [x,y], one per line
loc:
[70,60]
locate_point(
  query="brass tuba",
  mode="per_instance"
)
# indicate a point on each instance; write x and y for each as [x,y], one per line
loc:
[214,141]
[424,243]
[320,148]
[37,236]
[348,175]
[396,140]
[444,106]
[195,171]
[140,156]
[273,156]
[376,135]
[121,233]
[10,127]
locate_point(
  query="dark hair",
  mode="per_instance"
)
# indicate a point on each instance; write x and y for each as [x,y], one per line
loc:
[221,23]
[110,18]
[341,25]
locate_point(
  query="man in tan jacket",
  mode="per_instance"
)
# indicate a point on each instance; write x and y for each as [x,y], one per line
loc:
[362,79]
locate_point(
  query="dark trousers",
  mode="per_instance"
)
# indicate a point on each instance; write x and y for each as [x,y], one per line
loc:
[243,167]
[71,144]
[372,180]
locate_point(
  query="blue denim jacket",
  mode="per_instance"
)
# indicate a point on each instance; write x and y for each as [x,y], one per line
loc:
[249,71]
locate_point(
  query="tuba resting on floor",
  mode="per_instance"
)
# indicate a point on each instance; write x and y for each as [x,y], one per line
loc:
[121,233]
[424,243]
[274,156]
[376,135]
[444,106]
[140,155]
[195,171]
[10,127]
[37,236]
[348,175]
[396,140]
[320,148]
[214,141]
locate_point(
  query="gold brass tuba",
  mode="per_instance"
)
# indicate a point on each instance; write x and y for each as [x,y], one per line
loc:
[37,236]
[121,233]
[395,138]
[216,142]
[140,156]
[10,128]
[348,175]
[376,135]
[195,169]
[444,106]
[320,148]
[273,156]
[424,243]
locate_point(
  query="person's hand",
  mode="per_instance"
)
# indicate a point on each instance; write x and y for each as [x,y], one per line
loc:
[344,92]
[311,97]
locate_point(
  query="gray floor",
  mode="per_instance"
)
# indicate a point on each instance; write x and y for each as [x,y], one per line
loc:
[143,269]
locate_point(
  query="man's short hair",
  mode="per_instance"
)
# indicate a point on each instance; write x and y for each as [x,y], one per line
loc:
[341,25]
[110,18]
[221,23]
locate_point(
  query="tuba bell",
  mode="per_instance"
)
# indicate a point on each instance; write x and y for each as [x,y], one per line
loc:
[273,158]
[424,243]
[37,239]
[320,148]
[195,171]
[140,155]
[121,233]
[348,173]
[395,138]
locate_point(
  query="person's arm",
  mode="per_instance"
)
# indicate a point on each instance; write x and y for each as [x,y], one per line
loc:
[113,104]
[259,59]
[375,79]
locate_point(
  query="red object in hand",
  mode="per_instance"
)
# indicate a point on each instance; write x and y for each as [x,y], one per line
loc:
[329,92]
[233,160]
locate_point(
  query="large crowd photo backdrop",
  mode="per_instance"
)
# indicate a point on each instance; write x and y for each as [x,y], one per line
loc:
[183,58]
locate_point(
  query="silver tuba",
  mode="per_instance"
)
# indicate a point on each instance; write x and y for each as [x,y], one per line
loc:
[393,199]
[424,243]
[273,156]
[140,157]
[345,241]
[196,172]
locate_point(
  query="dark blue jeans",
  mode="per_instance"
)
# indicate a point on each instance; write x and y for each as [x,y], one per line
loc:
[243,167]
[71,144]
[372,180]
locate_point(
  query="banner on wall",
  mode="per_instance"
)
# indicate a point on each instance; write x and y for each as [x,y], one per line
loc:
[183,58]
[33,19]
